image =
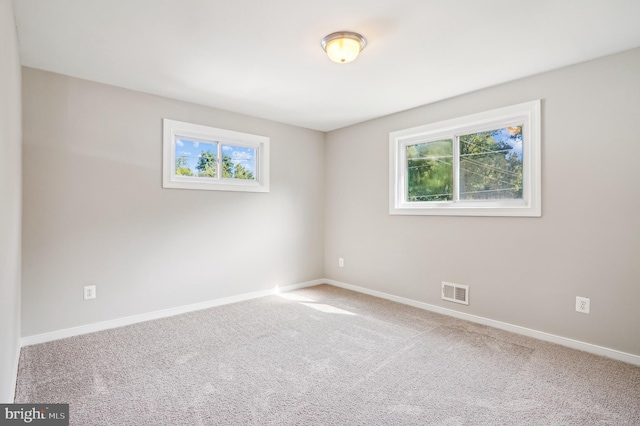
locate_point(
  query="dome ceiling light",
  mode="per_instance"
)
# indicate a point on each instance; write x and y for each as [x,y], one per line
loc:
[344,46]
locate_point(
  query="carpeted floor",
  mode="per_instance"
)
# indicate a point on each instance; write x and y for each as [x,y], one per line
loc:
[324,356]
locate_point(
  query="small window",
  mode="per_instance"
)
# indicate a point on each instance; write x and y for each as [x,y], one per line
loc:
[201,157]
[486,164]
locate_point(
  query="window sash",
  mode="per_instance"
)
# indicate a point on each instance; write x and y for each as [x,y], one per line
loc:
[259,145]
[526,115]
[456,171]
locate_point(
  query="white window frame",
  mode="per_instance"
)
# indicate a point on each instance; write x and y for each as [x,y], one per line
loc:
[528,114]
[173,129]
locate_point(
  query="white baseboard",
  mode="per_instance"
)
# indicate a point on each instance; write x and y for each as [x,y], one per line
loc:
[120,322]
[574,344]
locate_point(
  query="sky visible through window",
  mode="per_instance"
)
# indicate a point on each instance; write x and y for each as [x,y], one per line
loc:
[512,136]
[509,136]
[192,150]
[246,157]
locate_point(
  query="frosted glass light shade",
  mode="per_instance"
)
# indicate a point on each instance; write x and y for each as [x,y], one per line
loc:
[343,47]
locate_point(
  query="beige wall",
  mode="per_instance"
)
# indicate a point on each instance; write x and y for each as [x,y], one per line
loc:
[95,211]
[10,200]
[523,271]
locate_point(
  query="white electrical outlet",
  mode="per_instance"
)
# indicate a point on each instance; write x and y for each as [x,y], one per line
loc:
[582,304]
[89,292]
[341,262]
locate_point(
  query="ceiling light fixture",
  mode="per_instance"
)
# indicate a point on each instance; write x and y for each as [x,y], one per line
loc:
[344,46]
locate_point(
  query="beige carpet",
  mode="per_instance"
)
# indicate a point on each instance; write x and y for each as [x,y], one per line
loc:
[324,356]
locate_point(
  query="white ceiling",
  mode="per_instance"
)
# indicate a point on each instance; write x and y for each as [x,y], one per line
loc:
[263,57]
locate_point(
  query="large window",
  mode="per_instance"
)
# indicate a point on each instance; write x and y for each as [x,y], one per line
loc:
[486,164]
[201,157]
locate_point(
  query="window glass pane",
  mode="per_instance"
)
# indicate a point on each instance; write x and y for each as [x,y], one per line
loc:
[196,158]
[238,162]
[491,164]
[430,171]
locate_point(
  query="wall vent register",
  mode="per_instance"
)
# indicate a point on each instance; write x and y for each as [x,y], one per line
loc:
[457,293]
